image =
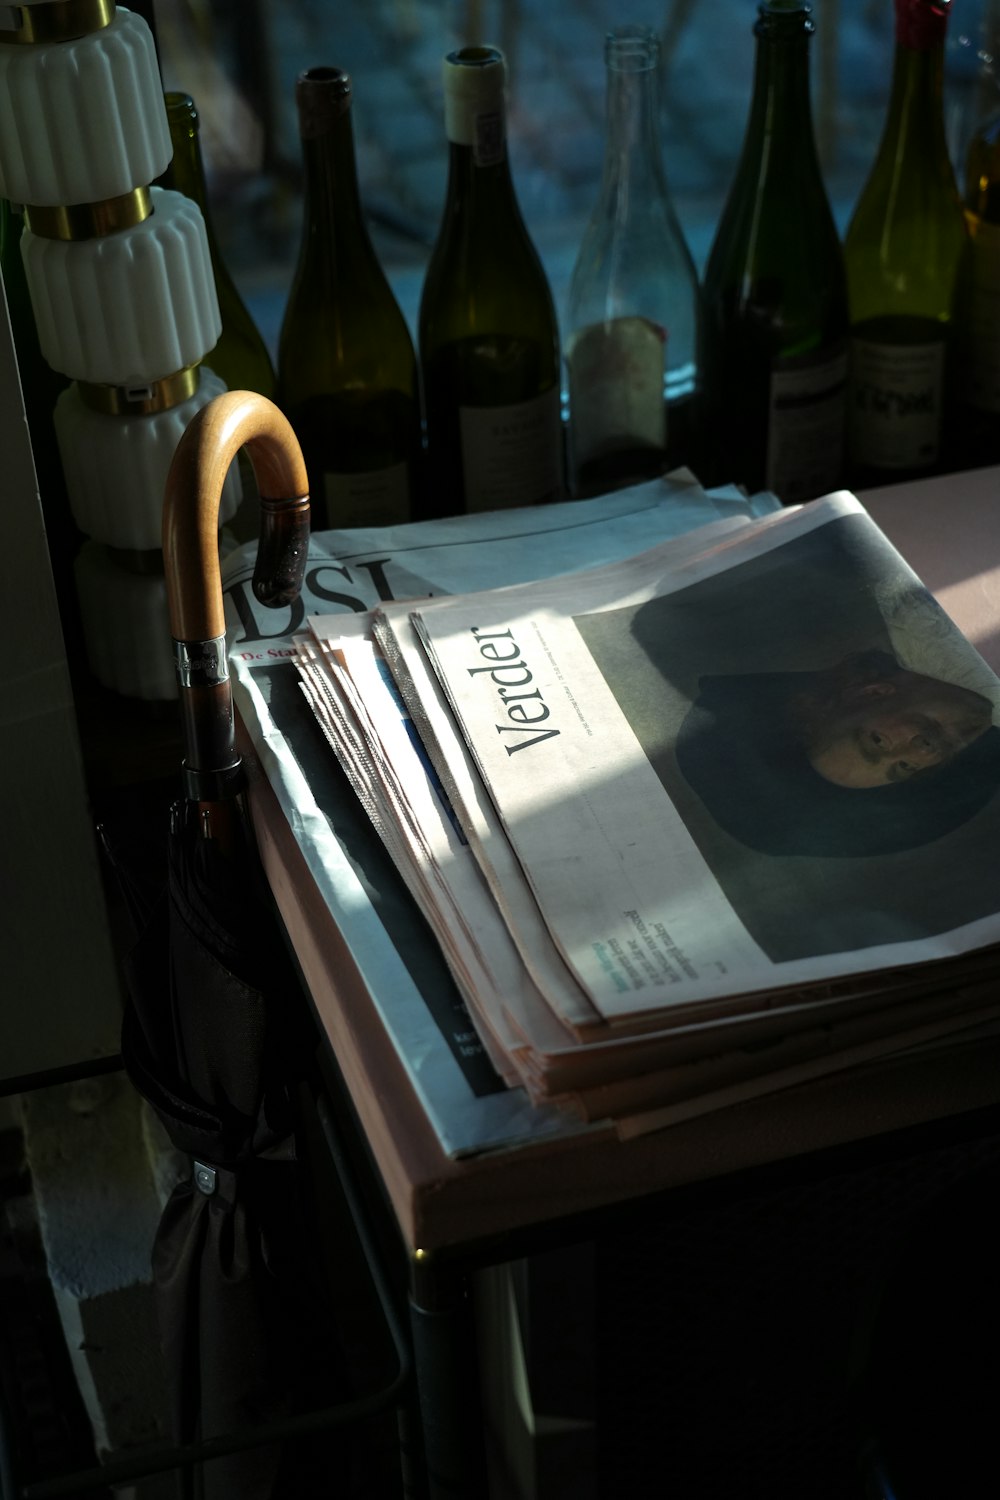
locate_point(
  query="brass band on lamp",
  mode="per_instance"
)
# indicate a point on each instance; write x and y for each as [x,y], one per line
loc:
[58,21]
[89,221]
[141,400]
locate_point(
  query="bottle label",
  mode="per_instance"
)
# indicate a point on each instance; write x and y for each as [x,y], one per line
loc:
[807,428]
[895,403]
[489,140]
[510,454]
[981,362]
[468,123]
[377,498]
[616,389]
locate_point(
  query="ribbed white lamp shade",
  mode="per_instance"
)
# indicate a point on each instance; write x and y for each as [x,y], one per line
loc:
[82,121]
[116,466]
[125,629]
[126,308]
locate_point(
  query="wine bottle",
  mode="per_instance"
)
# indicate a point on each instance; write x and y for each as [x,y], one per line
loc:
[775,286]
[240,358]
[347,371]
[633,321]
[904,250]
[977,317]
[489,340]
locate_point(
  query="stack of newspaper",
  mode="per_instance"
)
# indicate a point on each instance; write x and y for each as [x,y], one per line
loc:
[694,825]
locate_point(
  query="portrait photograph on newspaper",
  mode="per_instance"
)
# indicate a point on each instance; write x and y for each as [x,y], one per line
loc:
[827,737]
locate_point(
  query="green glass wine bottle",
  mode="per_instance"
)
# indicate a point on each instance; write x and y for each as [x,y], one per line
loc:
[240,357]
[489,339]
[775,286]
[977,316]
[904,251]
[347,371]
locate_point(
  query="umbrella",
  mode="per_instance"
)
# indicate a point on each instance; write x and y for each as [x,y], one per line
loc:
[215,1031]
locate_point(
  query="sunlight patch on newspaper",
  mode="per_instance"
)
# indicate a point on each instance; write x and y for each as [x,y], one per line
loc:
[625,893]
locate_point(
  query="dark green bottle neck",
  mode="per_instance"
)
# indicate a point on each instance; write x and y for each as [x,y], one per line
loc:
[915,118]
[482,190]
[186,171]
[332,202]
[186,174]
[780,111]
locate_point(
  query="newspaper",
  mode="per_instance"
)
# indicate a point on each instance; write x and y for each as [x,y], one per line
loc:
[516,872]
[467,1100]
[485,1072]
[370,730]
[695,843]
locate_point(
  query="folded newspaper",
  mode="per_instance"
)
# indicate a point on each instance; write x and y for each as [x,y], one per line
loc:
[705,820]
[741,785]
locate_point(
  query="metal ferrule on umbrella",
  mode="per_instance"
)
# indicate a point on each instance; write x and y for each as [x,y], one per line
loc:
[212,770]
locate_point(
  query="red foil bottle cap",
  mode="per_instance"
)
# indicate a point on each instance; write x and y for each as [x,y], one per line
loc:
[921,24]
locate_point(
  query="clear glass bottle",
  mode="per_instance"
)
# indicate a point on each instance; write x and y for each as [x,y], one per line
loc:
[489,338]
[904,251]
[633,319]
[347,371]
[775,286]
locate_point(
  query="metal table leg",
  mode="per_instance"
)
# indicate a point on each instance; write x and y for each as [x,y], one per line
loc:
[444,1353]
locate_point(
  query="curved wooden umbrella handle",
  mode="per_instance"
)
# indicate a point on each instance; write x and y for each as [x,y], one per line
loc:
[197,474]
[195,480]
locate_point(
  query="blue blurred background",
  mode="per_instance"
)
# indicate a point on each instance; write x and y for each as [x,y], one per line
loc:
[239,60]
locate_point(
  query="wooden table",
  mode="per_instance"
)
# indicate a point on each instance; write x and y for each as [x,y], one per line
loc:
[452,1216]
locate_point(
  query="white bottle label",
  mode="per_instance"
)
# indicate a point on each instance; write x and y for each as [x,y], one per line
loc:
[616,392]
[489,142]
[981,372]
[895,403]
[378,498]
[510,454]
[806,428]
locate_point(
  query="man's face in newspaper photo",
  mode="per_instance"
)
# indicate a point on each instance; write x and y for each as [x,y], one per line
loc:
[886,731]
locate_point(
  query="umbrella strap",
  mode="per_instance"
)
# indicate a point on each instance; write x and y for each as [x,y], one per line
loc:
[204,1176]
[209,1177]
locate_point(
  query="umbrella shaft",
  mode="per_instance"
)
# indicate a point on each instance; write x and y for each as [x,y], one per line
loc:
[208,725]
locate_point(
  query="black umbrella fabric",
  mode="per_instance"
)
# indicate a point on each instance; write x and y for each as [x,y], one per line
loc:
[214,1034]
[239,1298]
